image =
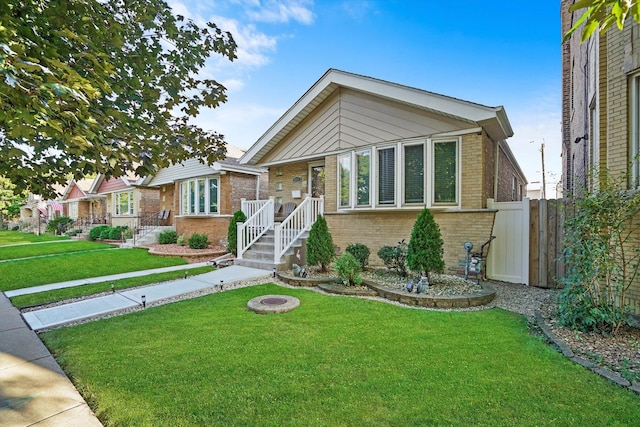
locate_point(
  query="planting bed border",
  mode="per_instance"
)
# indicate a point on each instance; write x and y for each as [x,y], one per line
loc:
[477,299]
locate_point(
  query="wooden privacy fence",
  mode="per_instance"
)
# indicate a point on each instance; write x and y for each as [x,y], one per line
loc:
[546,233]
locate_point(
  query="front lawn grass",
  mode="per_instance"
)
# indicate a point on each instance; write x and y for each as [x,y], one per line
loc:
[331,361]
[40,298]
[26,273]
[26,251]
[16,237]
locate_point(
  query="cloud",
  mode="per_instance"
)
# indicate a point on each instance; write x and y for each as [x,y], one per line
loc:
[358,10]
[274,11]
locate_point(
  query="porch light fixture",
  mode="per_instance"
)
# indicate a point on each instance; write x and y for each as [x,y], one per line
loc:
[144,301]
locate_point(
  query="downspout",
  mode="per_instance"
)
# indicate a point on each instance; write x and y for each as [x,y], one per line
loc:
[495,176]
[257,187]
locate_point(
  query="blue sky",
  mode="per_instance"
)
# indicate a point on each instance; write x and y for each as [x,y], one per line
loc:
[492,52]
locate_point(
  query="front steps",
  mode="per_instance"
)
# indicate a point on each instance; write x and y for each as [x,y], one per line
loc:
[261,254]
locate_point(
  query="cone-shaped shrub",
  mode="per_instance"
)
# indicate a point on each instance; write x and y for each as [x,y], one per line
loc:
[425,247]
[320,248]
[232,232]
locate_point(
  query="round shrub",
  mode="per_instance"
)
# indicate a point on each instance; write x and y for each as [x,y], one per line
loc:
[198,241]
[115,233]
[348,268]
[168,237]
[361,252]
[105,233]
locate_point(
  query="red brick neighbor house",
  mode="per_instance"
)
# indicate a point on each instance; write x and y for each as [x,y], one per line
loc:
[202,199]
[370,154]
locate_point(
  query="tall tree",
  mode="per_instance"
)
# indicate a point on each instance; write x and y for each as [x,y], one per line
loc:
[602,14]
[103,86]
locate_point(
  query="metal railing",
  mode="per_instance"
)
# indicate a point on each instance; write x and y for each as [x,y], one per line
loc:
[144,225]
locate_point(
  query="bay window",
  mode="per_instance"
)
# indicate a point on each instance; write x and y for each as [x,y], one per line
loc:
[416,173]
[199,196]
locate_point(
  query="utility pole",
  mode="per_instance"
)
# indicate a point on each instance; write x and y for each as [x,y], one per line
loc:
[544,181]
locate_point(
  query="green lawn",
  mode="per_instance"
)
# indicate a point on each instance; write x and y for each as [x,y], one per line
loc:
[16,237]
[39,298]
[332,361]
[39,271]
[29,250]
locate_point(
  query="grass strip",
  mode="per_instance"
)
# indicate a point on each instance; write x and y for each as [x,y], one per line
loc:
[14,237]
[60,268]
[26,251]
[331,361]
[56,295]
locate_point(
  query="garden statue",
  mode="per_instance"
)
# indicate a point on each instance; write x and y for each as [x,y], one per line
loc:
[423,284]
[409,287]
[299,271]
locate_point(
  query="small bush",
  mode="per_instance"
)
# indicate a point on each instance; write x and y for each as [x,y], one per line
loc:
[105,233]
[96,232]
[232,232]
[128,233]
[59,225]
[361,252]
[198,241]
[181,240]
[425,252]
[320,249]
[115,233]
[395,257]
[72,233]
[348,268]
[168,237]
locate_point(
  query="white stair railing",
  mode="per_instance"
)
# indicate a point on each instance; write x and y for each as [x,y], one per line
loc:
[296,224]
[258,223]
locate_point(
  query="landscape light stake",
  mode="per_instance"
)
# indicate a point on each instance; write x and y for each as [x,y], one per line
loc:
[274,272]
[185,274]
[144,301]
[221,284]
[113,288]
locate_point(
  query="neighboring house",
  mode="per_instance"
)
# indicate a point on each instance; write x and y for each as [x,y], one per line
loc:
[600,109]
[80,204]
[36,211]
[126,200]
[202,199]
[379,152]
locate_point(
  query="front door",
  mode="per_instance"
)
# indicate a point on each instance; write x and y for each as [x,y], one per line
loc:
[316,180]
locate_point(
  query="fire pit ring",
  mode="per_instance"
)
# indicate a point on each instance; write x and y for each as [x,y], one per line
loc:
[273,304]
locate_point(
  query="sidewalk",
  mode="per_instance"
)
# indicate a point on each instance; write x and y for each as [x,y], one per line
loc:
[33,387]
[67,313]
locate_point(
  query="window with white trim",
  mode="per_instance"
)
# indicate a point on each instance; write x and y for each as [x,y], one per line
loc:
[634,101]
[200,196]
[123,203]
[427,171]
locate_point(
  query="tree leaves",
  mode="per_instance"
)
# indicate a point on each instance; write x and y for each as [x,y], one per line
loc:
[103,87]
[602,14]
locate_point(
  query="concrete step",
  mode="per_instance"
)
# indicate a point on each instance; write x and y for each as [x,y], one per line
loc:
[263,265]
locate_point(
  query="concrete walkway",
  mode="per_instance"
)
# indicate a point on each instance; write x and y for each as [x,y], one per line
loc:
[33,388]
[80,282]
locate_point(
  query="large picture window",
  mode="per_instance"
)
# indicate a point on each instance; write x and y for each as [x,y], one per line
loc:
[124,203]
[427,171]
[199,196]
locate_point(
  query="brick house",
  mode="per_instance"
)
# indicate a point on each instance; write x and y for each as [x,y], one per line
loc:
[601,109]
[79,202]
[202,199]
[379,152]
[124,200]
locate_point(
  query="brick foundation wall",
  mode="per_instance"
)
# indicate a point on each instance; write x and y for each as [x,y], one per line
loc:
[377,229]
[214,227]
